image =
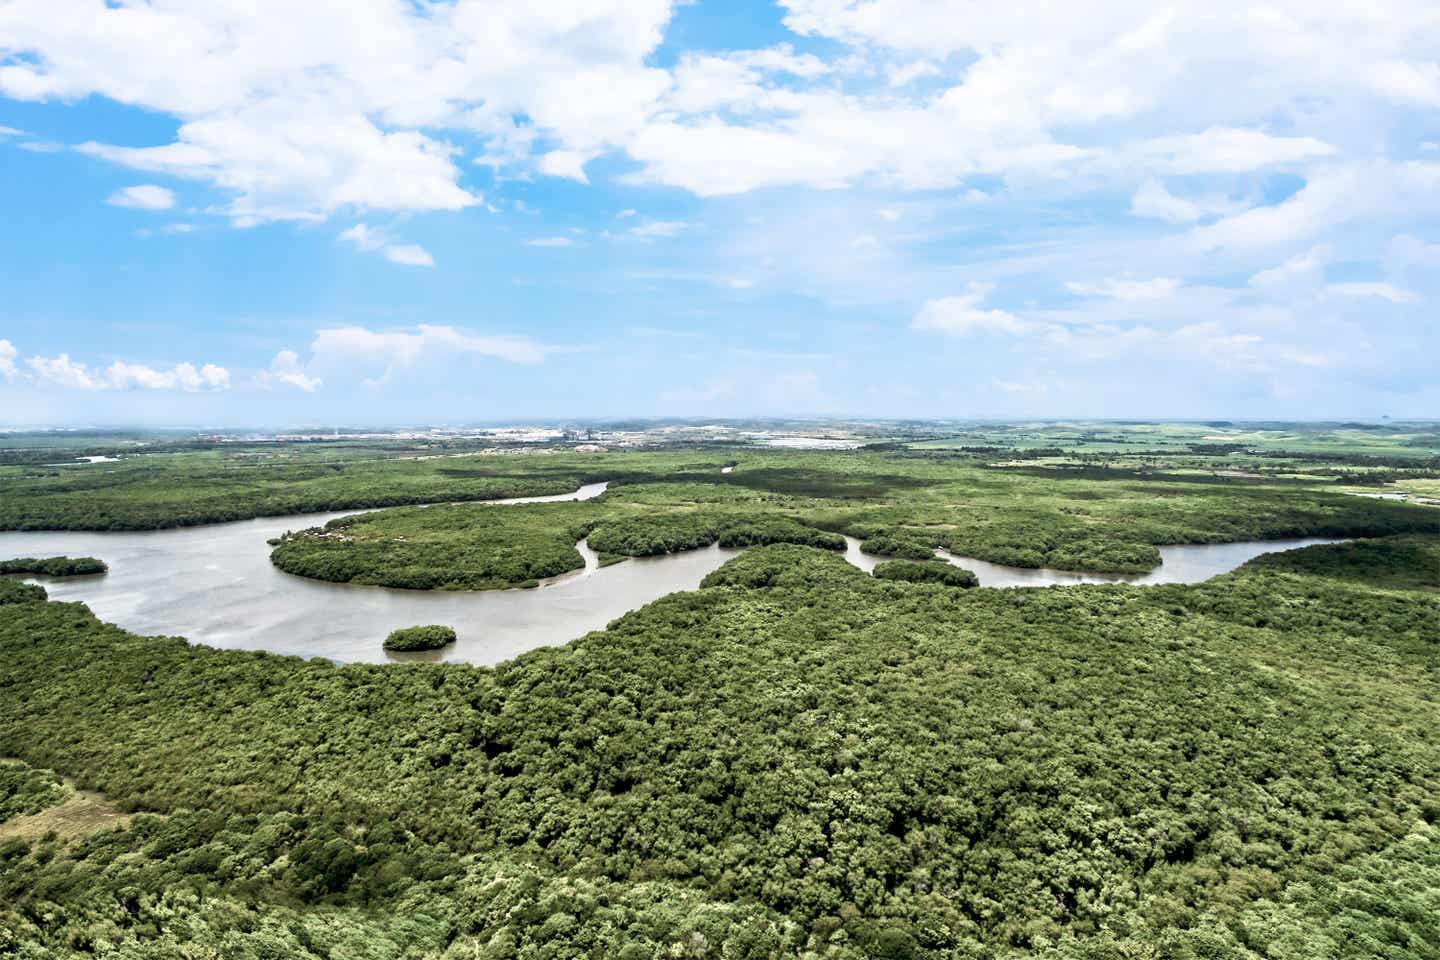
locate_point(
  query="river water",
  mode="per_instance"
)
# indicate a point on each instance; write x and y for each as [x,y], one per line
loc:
[215,585]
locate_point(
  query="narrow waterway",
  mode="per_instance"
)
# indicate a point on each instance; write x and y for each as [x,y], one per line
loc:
[1180,563]
[215,585]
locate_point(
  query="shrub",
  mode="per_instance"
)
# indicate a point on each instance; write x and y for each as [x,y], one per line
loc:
[430,637]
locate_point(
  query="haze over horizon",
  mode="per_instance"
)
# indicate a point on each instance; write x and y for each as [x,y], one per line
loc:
[380,212]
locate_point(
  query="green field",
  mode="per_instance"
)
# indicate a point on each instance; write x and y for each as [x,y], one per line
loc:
[795,760]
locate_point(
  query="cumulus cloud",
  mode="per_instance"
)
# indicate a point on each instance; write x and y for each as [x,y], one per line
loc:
[62,371]
[143,197]
[297,113]
[8,353]
[550,242]
[285,370]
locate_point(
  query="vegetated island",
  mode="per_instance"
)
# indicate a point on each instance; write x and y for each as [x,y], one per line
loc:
[926,571]
[488,546]
[54,566]
[411,639]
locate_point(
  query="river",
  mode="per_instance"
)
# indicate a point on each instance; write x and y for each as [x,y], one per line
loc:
[215,585]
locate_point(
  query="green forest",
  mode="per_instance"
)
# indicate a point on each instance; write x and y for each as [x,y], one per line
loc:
[900,506]
[796,759]
[427,637]
[53,566]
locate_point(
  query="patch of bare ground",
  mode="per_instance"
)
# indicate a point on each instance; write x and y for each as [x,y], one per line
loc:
[80,814]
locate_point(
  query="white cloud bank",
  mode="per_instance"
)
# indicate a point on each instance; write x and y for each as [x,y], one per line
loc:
[61,371]
[298,111]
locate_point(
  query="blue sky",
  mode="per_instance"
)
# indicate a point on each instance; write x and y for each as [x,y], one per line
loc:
[382,211]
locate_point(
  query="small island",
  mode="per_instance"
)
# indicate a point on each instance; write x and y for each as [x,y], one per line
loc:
[926,571]
[54,566]
[411,639]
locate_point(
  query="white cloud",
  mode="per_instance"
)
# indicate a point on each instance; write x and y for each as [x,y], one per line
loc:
[901,75]
[1160,288]
[61,371]
[183,376]
[550,242]
[299,112]
[659,228]
[397,350]
[1299,216]
[285,370]
[365,237]
[1229,150]
[1332,195]
[1302,271]
[1153,200]
[143,197]
[8,353]
[1417,83]
[11,132]
[1379,289]
[964,314]
[409,255]
[569,164]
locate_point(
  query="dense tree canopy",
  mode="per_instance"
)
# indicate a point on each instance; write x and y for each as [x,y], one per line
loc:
[845,765]
[926,571]
[796,759]
[429,637]
[53,566]
[13,591]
